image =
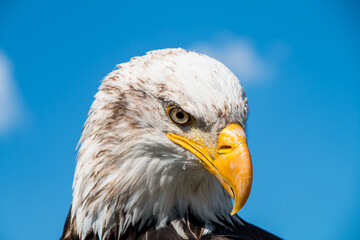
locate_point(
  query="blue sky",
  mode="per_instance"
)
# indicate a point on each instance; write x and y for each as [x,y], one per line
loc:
[299,62]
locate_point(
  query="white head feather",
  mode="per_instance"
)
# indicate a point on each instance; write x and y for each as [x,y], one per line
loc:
[128,171]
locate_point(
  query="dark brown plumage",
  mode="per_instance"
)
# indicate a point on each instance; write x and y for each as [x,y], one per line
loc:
[192,227]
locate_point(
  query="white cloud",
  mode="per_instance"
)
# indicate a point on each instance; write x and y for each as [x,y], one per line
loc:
[10,107]
[240,56]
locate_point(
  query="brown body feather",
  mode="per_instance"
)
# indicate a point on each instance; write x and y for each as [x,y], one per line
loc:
[193,228]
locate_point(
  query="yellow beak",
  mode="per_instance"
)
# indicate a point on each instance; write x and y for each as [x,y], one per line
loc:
[230,163]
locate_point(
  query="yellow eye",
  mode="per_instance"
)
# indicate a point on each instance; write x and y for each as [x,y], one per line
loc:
[178,115]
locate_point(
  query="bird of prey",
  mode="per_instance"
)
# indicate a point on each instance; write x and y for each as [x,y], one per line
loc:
[163,152]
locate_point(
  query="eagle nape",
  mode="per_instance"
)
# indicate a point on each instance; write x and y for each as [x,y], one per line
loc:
[163,152]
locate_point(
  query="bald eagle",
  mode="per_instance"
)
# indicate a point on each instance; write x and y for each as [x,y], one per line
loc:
[162,153]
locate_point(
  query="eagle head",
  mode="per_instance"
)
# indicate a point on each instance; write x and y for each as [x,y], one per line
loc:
[164,138]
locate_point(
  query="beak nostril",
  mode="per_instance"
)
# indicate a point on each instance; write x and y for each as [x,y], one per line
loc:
[224,149]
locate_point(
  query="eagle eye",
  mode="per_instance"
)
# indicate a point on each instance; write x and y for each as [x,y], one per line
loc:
[178,115]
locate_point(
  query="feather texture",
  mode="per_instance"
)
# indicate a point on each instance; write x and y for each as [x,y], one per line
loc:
[181,229]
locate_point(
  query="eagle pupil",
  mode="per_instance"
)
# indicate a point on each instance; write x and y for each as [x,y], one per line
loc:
[180,115]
